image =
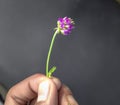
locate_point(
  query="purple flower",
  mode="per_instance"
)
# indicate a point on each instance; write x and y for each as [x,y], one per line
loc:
[65,25]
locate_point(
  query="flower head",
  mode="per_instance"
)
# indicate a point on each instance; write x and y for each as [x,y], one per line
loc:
[65,25]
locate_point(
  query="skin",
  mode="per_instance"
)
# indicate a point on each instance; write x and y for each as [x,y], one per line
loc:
[28,92]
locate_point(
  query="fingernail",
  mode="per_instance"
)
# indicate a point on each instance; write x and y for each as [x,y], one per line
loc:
[71,100]
[43,91]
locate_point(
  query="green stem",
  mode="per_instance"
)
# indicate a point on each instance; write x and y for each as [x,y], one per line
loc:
[49,53]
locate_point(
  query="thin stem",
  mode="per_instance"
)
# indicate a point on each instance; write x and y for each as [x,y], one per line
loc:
[49,53]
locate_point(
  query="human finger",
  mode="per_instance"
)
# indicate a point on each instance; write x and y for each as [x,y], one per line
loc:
[25,91]
[66,96]
[53,98]
[47,93]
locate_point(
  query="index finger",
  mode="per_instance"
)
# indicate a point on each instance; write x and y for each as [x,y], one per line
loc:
[24,91]
[27,90]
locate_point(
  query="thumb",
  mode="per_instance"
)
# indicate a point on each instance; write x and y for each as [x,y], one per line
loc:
[47,93]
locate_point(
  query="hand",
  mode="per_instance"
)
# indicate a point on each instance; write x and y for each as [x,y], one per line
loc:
[40,90]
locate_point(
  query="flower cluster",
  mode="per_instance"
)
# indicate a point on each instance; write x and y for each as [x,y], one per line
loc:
[65,25]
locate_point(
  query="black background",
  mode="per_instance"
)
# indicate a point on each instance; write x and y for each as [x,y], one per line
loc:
[88,60]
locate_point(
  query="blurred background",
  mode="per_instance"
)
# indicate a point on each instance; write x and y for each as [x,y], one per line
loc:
[88,60]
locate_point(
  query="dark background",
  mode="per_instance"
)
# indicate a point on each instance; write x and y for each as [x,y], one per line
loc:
[88,60]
